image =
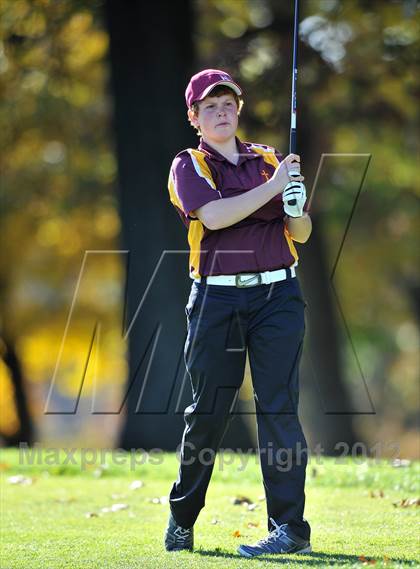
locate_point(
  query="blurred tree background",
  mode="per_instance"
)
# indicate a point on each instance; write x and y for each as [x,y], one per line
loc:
[63,104]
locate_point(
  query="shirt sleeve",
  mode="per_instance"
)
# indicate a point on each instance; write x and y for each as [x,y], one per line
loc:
[191,184]
[278,155]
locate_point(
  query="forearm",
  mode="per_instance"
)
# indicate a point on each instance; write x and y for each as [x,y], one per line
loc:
[227,211]
[299,228]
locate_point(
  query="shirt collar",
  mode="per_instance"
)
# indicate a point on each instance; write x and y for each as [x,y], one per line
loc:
[244,151]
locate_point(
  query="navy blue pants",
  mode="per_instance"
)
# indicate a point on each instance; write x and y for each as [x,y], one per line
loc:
[271,324]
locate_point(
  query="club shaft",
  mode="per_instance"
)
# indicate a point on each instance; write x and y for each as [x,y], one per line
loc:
[292,141]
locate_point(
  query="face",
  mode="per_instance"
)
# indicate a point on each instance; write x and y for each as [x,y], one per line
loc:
[217,118]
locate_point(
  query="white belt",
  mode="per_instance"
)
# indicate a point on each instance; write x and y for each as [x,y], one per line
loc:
[243,280]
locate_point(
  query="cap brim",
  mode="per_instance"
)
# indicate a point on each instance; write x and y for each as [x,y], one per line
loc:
[229,84]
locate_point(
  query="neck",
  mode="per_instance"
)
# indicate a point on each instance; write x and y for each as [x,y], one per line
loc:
[228,148]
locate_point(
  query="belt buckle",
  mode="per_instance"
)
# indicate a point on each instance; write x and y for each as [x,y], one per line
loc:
[243,284]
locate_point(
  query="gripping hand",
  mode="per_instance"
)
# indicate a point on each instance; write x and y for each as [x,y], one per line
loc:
[294,197]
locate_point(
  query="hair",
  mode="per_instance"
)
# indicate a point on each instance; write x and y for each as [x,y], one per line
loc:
[217,91]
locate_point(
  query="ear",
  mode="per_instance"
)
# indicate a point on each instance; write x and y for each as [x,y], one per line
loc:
[192,118]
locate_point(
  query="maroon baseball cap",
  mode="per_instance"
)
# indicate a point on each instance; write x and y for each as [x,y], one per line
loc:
[203,82]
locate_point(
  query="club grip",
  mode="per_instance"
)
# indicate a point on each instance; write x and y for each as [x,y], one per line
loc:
[292,150]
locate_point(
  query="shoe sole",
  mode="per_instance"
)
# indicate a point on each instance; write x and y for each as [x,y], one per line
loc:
[179,549]
[249,555]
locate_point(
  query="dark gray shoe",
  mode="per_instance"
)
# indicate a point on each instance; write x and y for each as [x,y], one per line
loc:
[280,540]
[177,537]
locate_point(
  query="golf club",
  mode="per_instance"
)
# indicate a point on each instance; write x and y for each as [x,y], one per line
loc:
[292,140]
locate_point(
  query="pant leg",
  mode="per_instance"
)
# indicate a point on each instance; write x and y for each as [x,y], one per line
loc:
[275,340]
[216,370]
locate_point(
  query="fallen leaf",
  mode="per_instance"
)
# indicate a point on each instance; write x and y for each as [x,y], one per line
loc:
[376,494]
[20,479]
[118,507]
[238,500]
[401,462]
[154,500]
[366,561]
[136,484]
[406,503]
[252,524]
[157,500]
[236,533]
[114,508]
[98,472]
[252,507]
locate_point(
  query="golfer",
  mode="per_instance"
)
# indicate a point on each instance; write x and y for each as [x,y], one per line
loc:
[243,206]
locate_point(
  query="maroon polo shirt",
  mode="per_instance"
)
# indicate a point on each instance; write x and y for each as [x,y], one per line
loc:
[260,242]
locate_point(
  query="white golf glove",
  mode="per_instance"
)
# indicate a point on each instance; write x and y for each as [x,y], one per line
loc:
[294,192]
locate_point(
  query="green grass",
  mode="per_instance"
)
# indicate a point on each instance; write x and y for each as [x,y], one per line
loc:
[44,524]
